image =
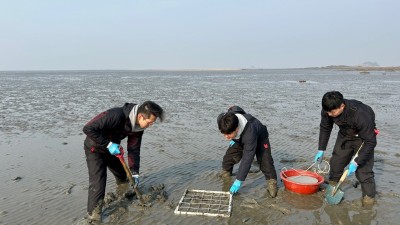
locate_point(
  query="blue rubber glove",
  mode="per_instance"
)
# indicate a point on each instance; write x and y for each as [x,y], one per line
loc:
[319,156]
[352,168]
[113,148]
[231,143]
[135,176]
[236,186]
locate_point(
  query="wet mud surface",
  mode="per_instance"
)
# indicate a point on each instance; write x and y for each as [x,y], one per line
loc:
[44,179]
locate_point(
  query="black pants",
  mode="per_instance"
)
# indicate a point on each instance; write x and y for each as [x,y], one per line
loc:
[97,165]
[342,154]
[263,154]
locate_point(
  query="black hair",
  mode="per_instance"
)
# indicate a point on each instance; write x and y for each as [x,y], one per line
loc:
[149,108]
[227,122]
[332,100]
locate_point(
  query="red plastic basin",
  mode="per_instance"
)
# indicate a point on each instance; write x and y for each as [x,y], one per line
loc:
[301,188]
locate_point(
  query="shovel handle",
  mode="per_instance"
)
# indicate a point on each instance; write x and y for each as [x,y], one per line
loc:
[127,171]
[342,178]
[131,180]
[344,175]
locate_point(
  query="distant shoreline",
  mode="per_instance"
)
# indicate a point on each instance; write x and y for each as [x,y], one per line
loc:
[361,68]
[364,69]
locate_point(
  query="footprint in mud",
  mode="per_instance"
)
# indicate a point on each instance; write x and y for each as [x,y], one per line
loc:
[250,203]
[292,160]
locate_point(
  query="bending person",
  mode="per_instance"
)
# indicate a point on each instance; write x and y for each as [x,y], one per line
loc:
[248,138]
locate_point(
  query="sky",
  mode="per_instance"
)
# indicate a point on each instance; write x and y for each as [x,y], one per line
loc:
[197,34]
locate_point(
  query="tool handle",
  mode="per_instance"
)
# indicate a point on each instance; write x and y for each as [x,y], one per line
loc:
[127,171]
[131,180]
[355,156]
[342,178]
[344,175]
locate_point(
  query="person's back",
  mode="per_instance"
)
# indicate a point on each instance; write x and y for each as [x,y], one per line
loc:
[248,138]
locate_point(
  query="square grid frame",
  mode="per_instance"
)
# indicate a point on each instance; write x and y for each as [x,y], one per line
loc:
[207,203]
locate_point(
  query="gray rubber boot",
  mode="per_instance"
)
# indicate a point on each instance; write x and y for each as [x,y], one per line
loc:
[272,187]
[368,201]
[226,174]
[95,216]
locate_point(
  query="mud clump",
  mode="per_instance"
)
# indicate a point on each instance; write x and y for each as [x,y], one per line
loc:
[158,193]
[69,189]
[16,179]
[109,198]
[250,203]
[125,193]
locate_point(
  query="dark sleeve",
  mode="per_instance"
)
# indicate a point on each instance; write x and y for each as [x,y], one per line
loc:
[134,143]
[97,128]
[365,124]
[325,129]
[249,142]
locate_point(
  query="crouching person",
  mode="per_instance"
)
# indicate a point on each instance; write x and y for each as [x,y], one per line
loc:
[248,138]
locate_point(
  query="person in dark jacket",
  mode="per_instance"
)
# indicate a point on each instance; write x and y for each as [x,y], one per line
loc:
[103,137]
[357,130]
[248,138]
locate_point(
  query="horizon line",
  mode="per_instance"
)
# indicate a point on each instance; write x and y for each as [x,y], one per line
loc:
[208,69]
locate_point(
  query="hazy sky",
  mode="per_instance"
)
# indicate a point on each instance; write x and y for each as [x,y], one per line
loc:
[196,34]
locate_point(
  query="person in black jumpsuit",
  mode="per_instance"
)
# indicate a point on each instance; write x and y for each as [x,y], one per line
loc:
[248,138]
[356,122]
[103,137]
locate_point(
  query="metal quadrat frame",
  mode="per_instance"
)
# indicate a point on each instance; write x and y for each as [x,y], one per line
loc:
[206,203]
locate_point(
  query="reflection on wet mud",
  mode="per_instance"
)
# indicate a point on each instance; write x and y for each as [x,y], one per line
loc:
[344,215]
[299,201]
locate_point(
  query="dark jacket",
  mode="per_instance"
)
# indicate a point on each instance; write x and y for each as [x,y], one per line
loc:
[253,135]
[112,125]
[356,121]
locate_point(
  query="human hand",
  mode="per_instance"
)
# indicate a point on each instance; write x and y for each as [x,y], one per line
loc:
[113,148]
[121,154]
[235,186]
[352,168]
[319,156]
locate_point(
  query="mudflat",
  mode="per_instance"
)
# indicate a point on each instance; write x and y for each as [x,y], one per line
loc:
[44,178]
